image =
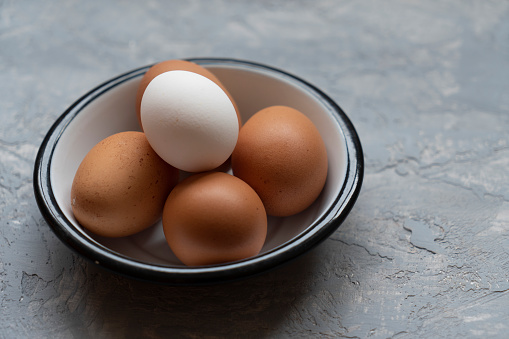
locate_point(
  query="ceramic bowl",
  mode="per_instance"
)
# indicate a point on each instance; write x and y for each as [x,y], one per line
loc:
[109,108]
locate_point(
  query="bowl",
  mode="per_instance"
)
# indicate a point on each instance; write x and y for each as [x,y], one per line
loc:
[110,108]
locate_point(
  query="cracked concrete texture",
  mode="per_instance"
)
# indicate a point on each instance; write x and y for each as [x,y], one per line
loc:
[424,253]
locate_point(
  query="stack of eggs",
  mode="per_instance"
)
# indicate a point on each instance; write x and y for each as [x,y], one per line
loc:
[178,169]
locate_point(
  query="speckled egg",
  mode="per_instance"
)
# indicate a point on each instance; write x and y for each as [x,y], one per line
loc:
[121,186]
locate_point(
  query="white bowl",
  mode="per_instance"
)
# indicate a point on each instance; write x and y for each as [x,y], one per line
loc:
[110,108]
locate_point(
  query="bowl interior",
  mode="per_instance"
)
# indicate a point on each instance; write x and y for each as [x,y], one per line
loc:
[253,88]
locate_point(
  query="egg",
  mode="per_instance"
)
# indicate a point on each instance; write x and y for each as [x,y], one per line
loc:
[121,186]
[189,121]
[174,65]
[281,155]
[212,218]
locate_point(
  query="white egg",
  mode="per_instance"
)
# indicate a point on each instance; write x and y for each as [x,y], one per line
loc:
[189,121]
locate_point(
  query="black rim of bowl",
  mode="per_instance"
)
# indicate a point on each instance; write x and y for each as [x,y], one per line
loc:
[113,261]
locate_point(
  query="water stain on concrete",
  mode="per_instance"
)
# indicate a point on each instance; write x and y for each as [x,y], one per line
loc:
[422,236]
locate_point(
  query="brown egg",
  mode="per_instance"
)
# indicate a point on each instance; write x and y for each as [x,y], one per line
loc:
[174,65]
[121,186]
[212,218]
[282,156]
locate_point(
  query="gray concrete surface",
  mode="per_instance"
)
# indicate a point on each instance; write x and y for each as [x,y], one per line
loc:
[425,251]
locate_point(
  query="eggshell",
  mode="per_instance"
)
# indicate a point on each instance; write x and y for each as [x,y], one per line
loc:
[282,156]
[121,186]
[174,65]
[212,218]
[189,121]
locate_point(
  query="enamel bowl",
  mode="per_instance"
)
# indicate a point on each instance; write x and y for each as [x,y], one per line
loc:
[109,108]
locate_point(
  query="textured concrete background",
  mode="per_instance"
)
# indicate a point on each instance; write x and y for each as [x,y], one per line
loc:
[425,251]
